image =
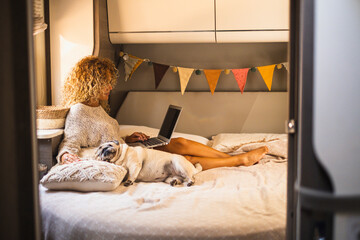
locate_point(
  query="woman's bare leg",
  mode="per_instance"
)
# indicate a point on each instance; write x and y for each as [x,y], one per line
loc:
[245,159]
[184,146]
[211,158]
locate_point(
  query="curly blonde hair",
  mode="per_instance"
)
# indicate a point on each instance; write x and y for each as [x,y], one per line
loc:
[87,79]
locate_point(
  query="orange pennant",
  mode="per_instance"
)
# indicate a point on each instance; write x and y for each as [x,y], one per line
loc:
[241,76]
[212,77]
[267,73]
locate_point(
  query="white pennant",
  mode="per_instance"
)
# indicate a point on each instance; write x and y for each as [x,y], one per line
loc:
[286,65]
[184,75]
[131,65]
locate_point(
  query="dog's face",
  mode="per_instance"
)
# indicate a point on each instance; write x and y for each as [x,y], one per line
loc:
[109,151]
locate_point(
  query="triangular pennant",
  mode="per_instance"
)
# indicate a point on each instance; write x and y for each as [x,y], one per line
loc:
[212,77]
[184,75]
[241,76]
[267,73]
[159,72]
[286,65]
[131,65]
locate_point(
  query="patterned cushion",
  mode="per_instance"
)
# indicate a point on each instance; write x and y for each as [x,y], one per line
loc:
[90,175]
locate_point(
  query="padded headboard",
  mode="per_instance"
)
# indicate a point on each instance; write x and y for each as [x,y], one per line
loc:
[207,115]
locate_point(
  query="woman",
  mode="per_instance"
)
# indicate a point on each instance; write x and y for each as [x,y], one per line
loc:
[87,90]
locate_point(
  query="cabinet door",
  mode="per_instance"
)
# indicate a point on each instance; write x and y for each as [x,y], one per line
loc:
[252,15]
[129,16]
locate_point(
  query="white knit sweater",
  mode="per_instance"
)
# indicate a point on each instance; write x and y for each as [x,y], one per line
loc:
[87,126]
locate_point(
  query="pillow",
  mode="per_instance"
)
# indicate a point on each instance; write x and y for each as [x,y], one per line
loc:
[153,132]
[276,147]
[230,142]
[85,176]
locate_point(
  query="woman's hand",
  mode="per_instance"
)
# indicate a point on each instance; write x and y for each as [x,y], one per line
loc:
[69,158]
[136,136]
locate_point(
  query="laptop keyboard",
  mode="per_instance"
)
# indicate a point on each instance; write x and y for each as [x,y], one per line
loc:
[152,141]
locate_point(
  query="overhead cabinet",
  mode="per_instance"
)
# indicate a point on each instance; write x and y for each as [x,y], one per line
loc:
[252,21]
[200,21]
[161,21]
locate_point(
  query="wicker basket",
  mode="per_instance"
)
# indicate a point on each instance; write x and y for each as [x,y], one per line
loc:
[51,112]
[51,117]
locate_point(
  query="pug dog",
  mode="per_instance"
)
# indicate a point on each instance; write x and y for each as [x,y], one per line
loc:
[148,165]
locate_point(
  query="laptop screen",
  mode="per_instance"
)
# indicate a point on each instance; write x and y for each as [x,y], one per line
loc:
[170,121]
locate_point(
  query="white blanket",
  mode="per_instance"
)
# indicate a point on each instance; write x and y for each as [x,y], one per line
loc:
[233,203]
[246,202]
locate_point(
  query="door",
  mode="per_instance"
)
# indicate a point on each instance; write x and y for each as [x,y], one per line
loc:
[293,87]
[327,190]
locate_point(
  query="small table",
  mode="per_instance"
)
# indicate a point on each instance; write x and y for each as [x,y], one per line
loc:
[48,143]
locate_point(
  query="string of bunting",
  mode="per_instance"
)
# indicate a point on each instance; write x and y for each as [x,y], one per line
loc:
[131,63]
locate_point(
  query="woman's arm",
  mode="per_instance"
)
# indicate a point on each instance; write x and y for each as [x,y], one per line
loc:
[74,135]
[68,147]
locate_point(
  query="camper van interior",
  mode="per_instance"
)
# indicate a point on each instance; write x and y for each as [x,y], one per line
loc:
[247,74]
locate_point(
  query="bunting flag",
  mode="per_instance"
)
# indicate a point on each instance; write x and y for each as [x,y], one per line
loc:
[267,73]
[212,76]
[159,72]
[184,75]
[286,65]
[131,64]
[241,76]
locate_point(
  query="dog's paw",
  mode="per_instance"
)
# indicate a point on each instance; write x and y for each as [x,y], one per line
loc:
[175,182]
[190,183]
[128,183]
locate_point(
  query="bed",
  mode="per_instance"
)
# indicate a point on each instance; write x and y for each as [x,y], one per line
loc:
[224,203]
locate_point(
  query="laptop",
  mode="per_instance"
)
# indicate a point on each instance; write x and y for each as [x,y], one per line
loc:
[166,130]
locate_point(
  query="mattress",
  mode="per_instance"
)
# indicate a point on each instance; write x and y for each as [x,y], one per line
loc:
[224,203]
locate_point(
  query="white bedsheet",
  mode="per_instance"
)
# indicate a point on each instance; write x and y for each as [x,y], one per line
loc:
[235,203]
